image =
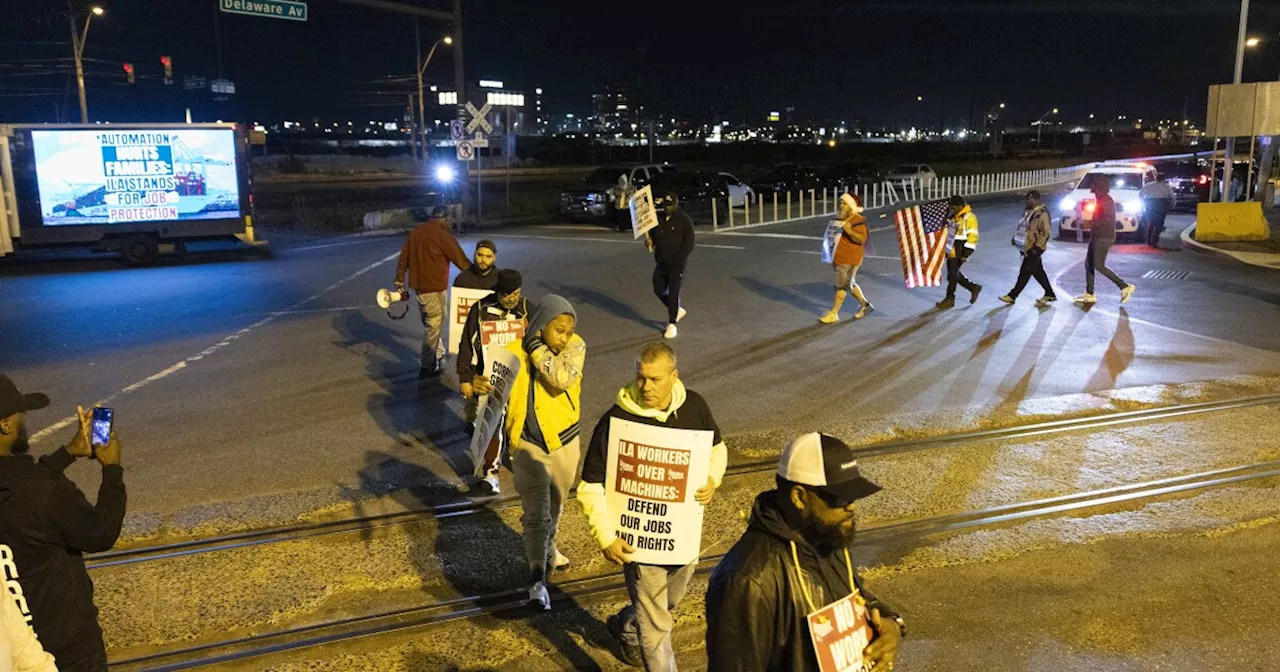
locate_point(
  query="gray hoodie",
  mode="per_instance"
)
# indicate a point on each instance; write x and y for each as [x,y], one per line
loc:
[549,308]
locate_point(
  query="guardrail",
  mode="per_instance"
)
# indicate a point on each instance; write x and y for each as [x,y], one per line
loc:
[790,206]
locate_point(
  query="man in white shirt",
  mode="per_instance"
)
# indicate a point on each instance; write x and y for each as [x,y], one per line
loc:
[1157,200]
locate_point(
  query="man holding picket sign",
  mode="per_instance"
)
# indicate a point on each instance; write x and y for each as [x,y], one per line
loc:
[657,442]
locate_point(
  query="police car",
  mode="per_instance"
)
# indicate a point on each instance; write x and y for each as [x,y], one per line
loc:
[1076,209]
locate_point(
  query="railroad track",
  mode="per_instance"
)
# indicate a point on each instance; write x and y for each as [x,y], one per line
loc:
[469,507]
[512,600]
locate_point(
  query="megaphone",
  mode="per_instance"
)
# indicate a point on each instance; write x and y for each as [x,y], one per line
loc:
[386,297]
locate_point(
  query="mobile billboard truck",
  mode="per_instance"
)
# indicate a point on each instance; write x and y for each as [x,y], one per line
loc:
[137,189]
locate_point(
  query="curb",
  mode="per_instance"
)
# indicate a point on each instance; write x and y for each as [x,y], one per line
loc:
[1242,257]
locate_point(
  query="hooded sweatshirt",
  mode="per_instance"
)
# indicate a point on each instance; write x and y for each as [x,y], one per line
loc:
[687,410]
[545,397]
[46,524]
[20,651]
[756,610]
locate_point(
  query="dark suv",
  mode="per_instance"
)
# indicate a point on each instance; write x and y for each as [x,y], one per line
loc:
[1189,181]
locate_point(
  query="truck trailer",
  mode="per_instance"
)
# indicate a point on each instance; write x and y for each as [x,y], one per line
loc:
[137,189]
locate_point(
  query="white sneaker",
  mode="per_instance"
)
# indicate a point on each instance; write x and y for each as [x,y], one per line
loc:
[559,562]
[539,599]
[489,485]
[680,314]
[1086,298]
[671,331]
[1126,293]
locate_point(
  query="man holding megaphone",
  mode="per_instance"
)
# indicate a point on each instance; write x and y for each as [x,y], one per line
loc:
[426,255]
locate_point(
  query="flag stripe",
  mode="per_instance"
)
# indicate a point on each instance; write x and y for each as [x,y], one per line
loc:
[922,236]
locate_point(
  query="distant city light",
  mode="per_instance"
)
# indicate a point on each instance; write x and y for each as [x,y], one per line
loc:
[538,91]
[490,84]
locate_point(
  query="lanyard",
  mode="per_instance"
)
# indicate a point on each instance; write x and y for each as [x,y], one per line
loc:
[808,598]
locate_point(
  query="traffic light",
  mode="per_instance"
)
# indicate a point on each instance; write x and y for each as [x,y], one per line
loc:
[128,73]
[167,62]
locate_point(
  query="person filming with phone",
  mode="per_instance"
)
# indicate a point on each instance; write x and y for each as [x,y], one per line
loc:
[46,525]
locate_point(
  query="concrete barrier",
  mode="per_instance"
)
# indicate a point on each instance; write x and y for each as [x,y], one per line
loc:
[1218,222]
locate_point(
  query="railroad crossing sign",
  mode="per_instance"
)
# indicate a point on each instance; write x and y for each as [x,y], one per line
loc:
[455,130]
[478,118]
[466,150]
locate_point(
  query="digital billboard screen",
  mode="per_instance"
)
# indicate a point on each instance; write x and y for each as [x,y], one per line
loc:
[118,176]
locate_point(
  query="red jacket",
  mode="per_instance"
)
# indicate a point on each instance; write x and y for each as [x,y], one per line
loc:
[427,253]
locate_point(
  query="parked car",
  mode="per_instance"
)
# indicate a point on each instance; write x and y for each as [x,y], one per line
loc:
[786,177]
[848,175]
[597,196]
[917,173]
[1189,181]
[691,187]
[1126,180]
[739,192]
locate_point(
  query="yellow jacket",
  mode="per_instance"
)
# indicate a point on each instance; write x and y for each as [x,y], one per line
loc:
[557,394]
[966,230]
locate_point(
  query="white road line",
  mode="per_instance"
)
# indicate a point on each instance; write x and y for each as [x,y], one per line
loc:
[788,236]
[342,309]
[865,256]
[1066,298]
[589,240]
[571,227]
[321,246]
[67,421]
[720,247]
[805,251]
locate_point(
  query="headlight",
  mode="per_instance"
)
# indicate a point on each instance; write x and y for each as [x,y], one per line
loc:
[444,174]
[1133,206]
[1067,205]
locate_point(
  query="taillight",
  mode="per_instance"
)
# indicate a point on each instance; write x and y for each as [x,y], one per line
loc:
[1204,179]
[1089,206]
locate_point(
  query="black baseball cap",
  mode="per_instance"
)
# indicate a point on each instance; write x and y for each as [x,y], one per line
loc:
[825,463]
[13,401]
[509,280]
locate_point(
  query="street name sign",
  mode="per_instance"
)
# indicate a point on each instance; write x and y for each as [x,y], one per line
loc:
[272,9]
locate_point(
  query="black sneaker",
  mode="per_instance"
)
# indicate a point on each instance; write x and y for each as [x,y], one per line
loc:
[973,293]
[627,653]
[427,374]
[949,302]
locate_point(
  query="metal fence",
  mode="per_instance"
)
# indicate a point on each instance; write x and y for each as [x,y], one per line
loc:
[777,208]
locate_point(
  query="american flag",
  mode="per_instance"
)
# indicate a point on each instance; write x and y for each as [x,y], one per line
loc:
[922,238]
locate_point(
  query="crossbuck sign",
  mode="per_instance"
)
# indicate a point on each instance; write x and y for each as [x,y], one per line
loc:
[478,118]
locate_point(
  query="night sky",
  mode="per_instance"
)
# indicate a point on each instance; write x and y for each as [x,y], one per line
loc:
[699,59]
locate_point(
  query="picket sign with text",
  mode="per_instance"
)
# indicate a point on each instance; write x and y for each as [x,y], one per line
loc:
[643,214]
[500,367]
[460,300]
[830,239]
[841,631]
[651,475]
[496,334]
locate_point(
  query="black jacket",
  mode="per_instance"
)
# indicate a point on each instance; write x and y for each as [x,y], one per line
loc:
[472,279]
[46,523]
[672,239]
[470,350]
[756,614]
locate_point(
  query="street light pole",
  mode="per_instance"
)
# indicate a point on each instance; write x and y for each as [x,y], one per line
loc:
[77,50]
[1040,125]
[422,118]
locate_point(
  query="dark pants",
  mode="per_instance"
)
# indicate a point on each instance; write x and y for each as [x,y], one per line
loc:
[1032,267]
[666,286]
[1096,259]
[1156,210]
[955,276]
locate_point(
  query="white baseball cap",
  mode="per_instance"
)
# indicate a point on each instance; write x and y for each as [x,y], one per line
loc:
[827,463]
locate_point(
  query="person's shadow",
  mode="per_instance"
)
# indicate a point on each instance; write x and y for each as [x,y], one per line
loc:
[476,558]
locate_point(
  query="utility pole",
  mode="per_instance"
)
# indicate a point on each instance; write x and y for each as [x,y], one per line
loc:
[460,85]
[77,50]
[1229,157]
[415,137]
[413,128]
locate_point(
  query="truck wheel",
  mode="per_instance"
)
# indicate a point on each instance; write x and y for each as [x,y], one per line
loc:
[139,250]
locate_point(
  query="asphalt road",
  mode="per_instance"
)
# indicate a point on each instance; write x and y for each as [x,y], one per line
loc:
[249,391]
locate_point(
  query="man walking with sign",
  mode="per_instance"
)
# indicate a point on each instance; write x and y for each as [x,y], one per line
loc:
[786,597]
[658,398]
[671,243]
[428,250]
[493,322]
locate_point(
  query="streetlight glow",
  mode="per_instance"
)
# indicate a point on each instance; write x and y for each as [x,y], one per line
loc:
[97,11]
[919,99]
[1055,110]
[448,39]
[1252,42]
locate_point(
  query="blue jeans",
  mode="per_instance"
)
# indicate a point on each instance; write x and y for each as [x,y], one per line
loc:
[655,590]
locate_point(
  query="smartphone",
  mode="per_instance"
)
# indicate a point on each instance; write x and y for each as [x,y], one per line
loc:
[101,427]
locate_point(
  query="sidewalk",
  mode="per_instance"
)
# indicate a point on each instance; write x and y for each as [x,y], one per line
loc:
[1265,254]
